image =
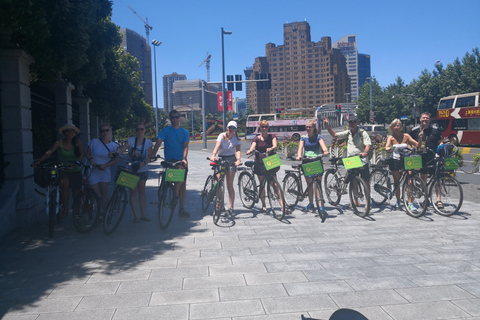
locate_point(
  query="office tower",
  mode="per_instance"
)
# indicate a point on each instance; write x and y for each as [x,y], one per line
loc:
[138,47]
[248,76]
[304,73]
[188,93]
[358,64]
[168,81]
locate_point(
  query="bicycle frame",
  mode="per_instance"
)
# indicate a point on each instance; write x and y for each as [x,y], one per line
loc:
[297,170]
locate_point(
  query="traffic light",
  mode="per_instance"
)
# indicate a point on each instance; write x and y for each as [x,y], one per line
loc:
[279,110]
[336,108]
[339,108]
[230,85]
[238,85]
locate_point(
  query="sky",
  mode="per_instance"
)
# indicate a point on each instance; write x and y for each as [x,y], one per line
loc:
[403,37]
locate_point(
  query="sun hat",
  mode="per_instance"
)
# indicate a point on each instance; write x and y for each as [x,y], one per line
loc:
[232,124]
[68,126]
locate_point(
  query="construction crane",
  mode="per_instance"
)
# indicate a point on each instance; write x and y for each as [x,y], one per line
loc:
[147,26]
[207,61]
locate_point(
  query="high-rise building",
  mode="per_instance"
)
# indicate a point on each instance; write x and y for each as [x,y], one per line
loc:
[304,74]
[168,80]
[248,76]
[188,93]
[137,46]
[358,64]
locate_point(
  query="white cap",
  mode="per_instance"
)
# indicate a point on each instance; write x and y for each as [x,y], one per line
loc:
[232,124]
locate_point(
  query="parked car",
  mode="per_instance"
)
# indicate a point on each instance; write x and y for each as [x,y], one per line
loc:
[372,129]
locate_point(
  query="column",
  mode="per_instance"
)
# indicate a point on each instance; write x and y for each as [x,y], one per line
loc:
[85,133]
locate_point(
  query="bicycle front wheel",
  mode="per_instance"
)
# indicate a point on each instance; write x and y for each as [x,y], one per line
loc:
[207,193]
[415,196]
[379,180]
[331,187]
[276,199]
[115,210]
[450,192]
[359,196]
[52,211]
[166,207]
[219,201]
[247,189]
[317,191]
[291,188]
[85,210]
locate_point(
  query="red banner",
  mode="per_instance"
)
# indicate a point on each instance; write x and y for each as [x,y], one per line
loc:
[229,100]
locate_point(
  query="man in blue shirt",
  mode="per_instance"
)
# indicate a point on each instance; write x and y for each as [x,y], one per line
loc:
[176,141]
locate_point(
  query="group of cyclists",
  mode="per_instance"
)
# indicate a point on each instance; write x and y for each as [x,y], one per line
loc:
[101,154]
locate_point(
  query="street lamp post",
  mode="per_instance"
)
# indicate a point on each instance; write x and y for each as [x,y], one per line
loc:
[225,106]
[155,43]
[348,107]
[191,104]
[371,104]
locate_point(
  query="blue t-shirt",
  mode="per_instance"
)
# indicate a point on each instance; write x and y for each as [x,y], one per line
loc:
[173,140]
[311,146]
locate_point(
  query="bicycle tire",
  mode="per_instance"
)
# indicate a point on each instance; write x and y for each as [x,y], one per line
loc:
[451,192]
[247,189]
[318,195]
[360,198]
[415,188]
[276,199]
[207,193]
[219,200]
[52,211]
[115,210]
[331,187]
[291,189]
[85,210]
[379,177]
[166,207]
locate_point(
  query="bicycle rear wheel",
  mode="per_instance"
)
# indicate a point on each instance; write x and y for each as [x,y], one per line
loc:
[166,207]
[85,210]
[317,191]
[451,193]
[219,201]
[379,178]
[291,188]
[276,199]
[207,193]
[331,187]
[415,196]
[247,189]
[115,210]
[359,196]
[52,211]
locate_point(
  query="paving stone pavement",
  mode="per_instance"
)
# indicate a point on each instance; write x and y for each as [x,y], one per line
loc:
[386,266]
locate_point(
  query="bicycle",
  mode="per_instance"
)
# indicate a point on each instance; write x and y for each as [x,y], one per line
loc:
[250,193]
[167,202]
[292,186]
[414,190]
[443,183]
[86,206]
[336,185]
[47,175]
[125,177]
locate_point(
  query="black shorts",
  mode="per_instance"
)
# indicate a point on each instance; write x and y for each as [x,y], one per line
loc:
[427,160]
[260,170]
[74,179]
[142,175]
[364,172]
[231,167]
[396,165]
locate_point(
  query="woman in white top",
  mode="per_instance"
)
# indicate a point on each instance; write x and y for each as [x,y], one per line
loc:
[139,149]
[99,154]
[228,148]
[396,143]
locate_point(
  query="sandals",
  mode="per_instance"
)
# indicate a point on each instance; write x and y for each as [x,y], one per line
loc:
[264,209]
[145,219]
[439,205]
[136,220]
[63,215]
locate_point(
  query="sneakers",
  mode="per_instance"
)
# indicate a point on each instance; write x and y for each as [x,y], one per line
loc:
[412,207]
[308,208]
[397,205]
[230,212]
[183,213]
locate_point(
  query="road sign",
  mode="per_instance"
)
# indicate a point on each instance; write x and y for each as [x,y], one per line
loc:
[372,119]
[372,113]
[403,118]
[235,116]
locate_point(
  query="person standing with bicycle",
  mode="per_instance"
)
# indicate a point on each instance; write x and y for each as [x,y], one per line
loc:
[100,153]
[228,148]
[70,150]
[396,144]
[139,151]
[311,145]
[263,143]
[176,141]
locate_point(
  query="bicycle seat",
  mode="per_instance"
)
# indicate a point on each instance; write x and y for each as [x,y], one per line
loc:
[334,160]
[296,166]
[249,163]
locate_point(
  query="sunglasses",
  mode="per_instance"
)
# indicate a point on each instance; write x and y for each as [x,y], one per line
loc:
[139,129]
[104,130]
[68,130]
[232,128]
[175,117]
[264,127]
[352,121]
[308,127]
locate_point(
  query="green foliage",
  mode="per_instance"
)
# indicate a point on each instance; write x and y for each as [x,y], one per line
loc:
[476,162]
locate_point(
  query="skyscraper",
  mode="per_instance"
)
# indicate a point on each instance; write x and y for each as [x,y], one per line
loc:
[168,80]
[304,74]
[137,46]
[358,64]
